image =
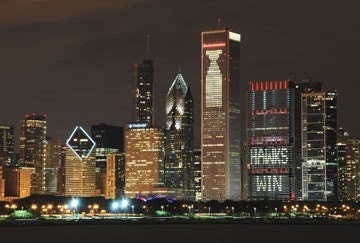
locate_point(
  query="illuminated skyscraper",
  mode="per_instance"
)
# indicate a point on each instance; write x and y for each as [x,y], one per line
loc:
[269,141]
[33,149]
[343,164]
[144,92]
[115,176]
[80,174]
[144,161]
[17,181]
[6,145]
[53,165]
[304,86]
[319,138]
[2,184]
[220,115]
[179,148]
[109,140]
[353,167]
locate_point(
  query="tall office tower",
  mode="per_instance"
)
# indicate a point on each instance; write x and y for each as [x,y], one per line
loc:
[270,141]
[319,138]
[109,139]
[80,174]
[2,184]
[7,157]
[197,174]
[220,115]
[179,146]
[17,181]
[244,172]
[353,163]
[33,149]
[331,135]
[61,173]
[304,86]
[144,92]
[342,141]
[115,176]
[144,156]
[53,165]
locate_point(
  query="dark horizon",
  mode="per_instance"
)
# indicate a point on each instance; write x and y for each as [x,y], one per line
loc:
[73,61]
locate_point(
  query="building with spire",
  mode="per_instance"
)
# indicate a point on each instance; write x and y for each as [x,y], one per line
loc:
[179,136]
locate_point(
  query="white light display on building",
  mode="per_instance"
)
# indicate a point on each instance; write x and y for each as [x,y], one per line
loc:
[269,155]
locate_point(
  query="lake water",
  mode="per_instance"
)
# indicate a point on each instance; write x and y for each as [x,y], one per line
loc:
[185,233]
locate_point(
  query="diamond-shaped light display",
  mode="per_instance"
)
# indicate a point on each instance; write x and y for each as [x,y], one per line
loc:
[80,143]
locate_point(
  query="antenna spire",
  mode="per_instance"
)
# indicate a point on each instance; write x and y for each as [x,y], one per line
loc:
[179,68]
[219,23]
[147,45]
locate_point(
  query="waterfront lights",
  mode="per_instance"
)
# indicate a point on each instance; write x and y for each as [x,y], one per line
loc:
[115,205]
[124,203]
[74,203]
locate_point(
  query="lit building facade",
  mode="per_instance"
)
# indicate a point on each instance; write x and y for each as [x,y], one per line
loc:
[220,115]
[53,164]
[80,174]
[342,150]
[17,181]
[319,149]
[197,174]
[109,140]
[179,148]
[303,86]
[2,185]
[33,149]
[144,160]
[269,141]
[115,176]
[144,92]
[7,145]
[353,167]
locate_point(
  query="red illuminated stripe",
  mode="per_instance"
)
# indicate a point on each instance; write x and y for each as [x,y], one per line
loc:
[213,45]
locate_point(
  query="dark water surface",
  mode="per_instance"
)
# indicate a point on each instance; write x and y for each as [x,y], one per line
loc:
[174,233]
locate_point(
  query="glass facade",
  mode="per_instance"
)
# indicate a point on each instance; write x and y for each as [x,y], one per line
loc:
[179,148]
[33,149]
[220,115]
[144,92]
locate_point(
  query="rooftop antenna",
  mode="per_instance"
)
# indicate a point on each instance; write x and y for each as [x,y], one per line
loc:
[179,68]
[147,45]
[219,23]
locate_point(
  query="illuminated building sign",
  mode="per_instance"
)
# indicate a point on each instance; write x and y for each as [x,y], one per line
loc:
[269,155]
[269,183]
[80,143]
[213,80]
[137,125]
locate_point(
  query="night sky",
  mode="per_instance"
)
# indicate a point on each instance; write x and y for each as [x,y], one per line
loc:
[73,60]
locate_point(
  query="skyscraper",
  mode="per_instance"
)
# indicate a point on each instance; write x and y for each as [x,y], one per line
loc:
[80,171]
[270,140]
[353,168]
[304,86]
[53,165]
[144,157]
[344,169]
[220,115]
[6,145]
[33,149]
[115,176]
[109,140]
[319,149]
[179,147]
[144,92]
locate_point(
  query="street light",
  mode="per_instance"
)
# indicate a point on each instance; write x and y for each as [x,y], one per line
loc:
[254,211]
[115,206]
[132,209]
[124,204]
[232,211]
[162,208]
[74,204]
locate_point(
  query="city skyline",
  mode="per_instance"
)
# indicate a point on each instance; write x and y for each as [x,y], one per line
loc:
[69,64]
